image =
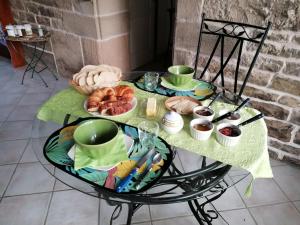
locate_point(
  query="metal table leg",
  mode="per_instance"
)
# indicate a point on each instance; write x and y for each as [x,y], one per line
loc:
[35,59]
[29,67]
[38,58]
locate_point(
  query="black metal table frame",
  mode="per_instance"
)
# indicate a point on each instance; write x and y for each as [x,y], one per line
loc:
[35,59]
[33,62]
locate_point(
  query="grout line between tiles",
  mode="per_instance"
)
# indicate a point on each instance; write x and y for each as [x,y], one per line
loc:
[250,207]
[42,192]
[3,195]
[150,213]
[273,204]
[50,201]
[298,210]
[99,213]
[185,216]
[15,139]
[290,200]
[246,207]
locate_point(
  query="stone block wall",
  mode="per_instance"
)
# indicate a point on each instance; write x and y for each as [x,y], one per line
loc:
[274,85]
[83,31]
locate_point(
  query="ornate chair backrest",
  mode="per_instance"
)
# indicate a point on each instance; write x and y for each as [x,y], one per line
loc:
[240,34]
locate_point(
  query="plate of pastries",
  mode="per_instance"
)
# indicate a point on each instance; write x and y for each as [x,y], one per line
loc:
[111,101]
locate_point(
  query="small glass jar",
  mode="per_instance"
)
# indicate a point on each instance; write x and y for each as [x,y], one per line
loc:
[19,30]
[28,29]
[151,81]
[10,30]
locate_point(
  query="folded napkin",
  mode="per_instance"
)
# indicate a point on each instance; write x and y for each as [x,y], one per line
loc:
[101,157]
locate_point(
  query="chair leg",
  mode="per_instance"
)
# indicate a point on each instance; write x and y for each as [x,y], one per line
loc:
[130,213]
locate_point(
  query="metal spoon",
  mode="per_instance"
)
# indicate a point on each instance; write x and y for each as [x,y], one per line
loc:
[254,118]
[231,112]
[214,99]
[156,159]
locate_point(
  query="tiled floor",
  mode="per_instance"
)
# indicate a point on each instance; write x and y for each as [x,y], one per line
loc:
[29,195]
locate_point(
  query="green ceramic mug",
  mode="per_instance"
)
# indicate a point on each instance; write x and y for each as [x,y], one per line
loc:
[96,136]
[180,74]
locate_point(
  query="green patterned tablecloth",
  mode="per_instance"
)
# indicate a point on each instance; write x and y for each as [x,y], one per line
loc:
[250,154]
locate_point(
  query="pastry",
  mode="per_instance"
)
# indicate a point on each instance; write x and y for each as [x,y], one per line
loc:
[111,100]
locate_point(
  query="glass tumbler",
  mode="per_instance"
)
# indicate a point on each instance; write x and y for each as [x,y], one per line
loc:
[148,130]
[151,80]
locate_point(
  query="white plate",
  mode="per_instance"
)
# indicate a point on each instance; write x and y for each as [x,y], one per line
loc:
[133,102]
[128,142]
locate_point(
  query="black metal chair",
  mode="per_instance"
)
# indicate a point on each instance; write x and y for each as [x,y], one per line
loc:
[240,34]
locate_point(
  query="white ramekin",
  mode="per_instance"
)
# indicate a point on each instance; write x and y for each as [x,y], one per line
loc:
[227,140]
[195,115]
[200,135]
[234,122]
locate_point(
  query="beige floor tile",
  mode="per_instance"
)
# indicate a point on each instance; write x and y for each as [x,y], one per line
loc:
[297,204]
[28,155]
[264,192]
[73,207]
[281,214]
[15,130]
[169,210]
[235,217]
[24,210]
[288,178]
[189,220]
[30,178]
[24,112]
[229,200]
[34,99]
[11,151]
[5,174]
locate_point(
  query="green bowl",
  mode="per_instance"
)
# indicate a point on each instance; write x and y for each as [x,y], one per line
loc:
[180,75]
[96,135]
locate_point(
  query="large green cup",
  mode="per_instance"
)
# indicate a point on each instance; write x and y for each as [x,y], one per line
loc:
[180,75]
[96,137]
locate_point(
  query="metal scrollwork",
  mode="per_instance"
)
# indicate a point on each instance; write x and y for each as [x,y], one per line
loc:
[235,30]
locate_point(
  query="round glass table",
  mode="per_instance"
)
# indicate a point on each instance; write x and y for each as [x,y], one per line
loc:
[191,178]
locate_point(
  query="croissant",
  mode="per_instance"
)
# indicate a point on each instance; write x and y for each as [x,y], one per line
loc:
[112,101]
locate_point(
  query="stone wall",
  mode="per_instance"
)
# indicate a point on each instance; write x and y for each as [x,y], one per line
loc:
[274,85]
[83,31]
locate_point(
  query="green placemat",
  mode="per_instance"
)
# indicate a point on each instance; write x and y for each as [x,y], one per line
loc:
[250,154]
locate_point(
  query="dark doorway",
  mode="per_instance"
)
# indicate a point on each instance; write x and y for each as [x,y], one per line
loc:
[151,23]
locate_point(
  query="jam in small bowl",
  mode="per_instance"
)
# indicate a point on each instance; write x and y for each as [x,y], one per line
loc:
[228,134]
[234,119]
[203,112]
[201,129]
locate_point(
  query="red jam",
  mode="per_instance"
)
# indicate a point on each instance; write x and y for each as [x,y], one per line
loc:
[229,131]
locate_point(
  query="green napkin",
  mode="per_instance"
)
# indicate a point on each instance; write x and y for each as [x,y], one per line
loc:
[101,157]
